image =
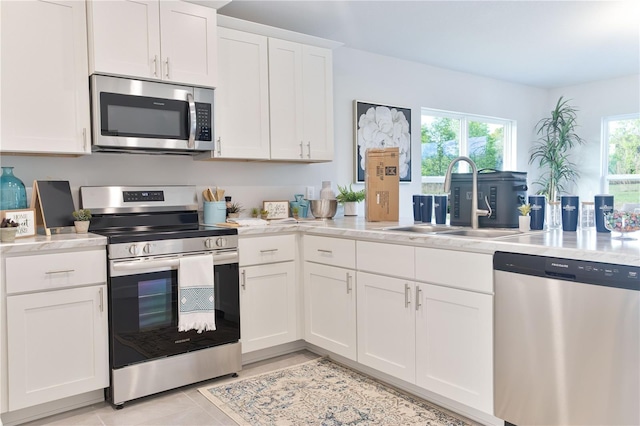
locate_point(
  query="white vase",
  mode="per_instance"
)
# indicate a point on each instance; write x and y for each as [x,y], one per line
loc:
[351,208]
[82,226]
[524,223]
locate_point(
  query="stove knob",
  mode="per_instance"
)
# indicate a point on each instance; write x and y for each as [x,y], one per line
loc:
[146,249]
[133,249]
[221,242]
[208,243]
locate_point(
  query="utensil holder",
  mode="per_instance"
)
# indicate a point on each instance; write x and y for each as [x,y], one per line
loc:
[214,212]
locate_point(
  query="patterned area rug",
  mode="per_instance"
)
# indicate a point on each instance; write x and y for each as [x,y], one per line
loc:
[321,392]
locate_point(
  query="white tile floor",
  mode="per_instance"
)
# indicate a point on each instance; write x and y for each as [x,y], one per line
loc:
[179,407]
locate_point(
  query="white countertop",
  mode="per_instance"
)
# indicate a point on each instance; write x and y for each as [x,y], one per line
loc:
[585,245]
[593,246]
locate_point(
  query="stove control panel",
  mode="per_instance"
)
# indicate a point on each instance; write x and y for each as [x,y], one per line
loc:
[172,246]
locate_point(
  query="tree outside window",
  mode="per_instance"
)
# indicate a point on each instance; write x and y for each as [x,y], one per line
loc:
[446,135]
[622,159]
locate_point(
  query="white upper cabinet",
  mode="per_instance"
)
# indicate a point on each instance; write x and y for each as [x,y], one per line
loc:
[301,101]
[242,97]
[45,90]
[166,40]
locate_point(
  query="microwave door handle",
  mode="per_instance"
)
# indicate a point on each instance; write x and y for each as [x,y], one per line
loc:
[192,121]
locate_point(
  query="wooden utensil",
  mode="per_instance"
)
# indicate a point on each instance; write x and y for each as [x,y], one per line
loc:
[205,195]
[211,196]
[219,194]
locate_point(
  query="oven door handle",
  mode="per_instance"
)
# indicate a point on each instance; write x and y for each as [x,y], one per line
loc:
[225,258]
[146,264]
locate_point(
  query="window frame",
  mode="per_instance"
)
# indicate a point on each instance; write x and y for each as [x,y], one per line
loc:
[509,148]
[605,177]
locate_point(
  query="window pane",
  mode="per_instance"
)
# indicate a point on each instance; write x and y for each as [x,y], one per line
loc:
[626,193]
[624,147]
[440,144]
[486,144]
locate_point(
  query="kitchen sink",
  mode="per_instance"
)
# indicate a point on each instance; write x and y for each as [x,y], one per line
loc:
[422,229]
[482,233]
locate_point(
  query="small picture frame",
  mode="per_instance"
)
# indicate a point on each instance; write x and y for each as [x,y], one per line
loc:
[276,209]
[26,220]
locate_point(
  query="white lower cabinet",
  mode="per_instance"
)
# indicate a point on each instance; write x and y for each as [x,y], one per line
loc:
[267,305]
[454,338]
[386,325]
[56,344]
[330,308]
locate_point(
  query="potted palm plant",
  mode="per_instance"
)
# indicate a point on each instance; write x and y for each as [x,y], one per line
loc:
[81,221]
[556,137]
[350,198]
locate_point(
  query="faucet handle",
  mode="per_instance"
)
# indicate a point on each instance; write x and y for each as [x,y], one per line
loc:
[486,213]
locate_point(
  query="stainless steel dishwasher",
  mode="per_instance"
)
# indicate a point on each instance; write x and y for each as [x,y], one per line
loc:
[567,341]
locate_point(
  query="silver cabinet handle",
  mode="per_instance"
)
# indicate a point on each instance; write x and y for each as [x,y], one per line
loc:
[219,146]
[101,300]
[167,64]
[268,251]
[308,149]
[349,283]
[61,271]
[301,152]
[325,251]
[192,121]
[407,300]
[84,138]
[244,279]
[155,65]
[418,291]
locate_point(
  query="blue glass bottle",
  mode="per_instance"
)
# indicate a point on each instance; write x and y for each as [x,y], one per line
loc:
[13,194]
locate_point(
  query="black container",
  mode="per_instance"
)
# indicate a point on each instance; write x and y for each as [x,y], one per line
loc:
[505,191]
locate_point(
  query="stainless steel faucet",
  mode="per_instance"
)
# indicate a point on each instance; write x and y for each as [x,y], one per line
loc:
[475,211]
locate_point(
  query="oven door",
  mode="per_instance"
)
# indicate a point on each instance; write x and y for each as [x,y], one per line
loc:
[143,310]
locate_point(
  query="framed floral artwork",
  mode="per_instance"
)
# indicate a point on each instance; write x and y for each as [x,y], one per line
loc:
[382,126]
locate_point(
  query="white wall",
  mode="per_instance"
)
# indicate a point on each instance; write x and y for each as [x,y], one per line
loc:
[595,101]
[357,75]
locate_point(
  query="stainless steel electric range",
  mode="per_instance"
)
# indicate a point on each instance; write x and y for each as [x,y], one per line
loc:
[149,229]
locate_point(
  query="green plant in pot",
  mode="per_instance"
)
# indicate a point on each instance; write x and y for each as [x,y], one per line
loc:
[556,137]
[8,230]
[350,198]
[234,209]
[82,218]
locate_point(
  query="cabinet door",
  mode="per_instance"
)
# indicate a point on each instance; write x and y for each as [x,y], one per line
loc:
[285,100]
[330,308]
[57,345]
[454,353]
[267,306]
[189,43]
[124,37]
[317,80]
[45,92]
[242,97]
[386,325]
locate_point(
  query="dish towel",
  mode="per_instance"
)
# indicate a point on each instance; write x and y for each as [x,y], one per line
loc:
[196,304]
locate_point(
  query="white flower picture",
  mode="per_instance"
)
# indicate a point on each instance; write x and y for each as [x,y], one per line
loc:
[381,126]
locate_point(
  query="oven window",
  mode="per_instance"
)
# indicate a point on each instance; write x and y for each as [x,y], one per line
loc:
[154,304]
[142,116]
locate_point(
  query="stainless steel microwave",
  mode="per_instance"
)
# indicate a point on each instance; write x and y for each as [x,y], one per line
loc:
[148,117]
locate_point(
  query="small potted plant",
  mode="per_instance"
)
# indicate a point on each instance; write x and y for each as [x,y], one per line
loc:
[8,230]
[264,214]
[234,209]
[294,212]
[82,219]
[254,212]
[524,221]
[350,198]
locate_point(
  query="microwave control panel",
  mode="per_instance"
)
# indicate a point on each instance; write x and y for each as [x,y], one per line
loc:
[203,121]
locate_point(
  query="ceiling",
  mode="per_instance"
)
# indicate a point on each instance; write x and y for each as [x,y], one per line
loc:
[544,44]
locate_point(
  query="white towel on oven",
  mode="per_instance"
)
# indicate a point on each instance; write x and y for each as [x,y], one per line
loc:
[196,304]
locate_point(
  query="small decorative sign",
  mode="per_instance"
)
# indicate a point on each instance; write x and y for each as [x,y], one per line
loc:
[24,218]
[276,209]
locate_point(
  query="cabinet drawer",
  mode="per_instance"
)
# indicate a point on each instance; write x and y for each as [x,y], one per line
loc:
[386,259]
[260,250]
[471,271]
[55,270]
[330,251]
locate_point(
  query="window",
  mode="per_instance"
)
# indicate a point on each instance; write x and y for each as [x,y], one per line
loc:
[445,135]
[621,154]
